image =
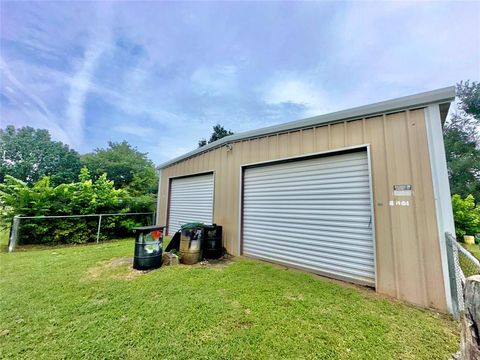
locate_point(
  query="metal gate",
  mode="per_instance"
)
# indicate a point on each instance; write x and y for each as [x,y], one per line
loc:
[190,200]
[314,214]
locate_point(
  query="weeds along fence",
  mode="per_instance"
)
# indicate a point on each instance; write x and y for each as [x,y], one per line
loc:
[94,227]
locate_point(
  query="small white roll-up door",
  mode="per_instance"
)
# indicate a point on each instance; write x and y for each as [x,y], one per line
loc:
[191,200]
[314,214]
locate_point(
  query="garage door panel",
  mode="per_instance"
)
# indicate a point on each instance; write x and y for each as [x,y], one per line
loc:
[314,214]
[333,207]
[325,171]
[309,186]
[327,258]
[329,269]
[191,200]
[327,165]
[302,234]
[317,195]
[310,224]
[338,242]
[332,179]
[362,249]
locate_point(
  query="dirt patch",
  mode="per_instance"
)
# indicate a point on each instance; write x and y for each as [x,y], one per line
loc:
[295,297]
[221,263]
[117,269]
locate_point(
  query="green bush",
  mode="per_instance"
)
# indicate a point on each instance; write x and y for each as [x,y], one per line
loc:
[466,216]
[80,198]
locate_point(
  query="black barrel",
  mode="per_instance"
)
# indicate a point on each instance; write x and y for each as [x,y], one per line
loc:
[148,247]
[212,241]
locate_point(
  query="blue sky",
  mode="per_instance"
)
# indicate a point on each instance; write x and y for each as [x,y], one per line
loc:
[161,74]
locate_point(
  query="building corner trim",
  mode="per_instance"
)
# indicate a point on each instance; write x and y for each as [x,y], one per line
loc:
[159,199]
[441,190]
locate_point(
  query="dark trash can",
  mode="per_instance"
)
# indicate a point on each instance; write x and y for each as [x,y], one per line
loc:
[148,247]
[212,241]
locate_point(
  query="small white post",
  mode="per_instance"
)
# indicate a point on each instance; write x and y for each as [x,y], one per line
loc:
[98,230]
[13,234]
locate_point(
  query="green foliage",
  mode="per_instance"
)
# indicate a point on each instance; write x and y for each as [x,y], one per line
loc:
[83,197]
[218,132]
[30,154]
[462,142]
[466,215]
[125,166]
[463,159]
[469,93]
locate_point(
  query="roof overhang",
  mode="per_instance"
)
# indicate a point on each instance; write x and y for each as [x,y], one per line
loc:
[442,96]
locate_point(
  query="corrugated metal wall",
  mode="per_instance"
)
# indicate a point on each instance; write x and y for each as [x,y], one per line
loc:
[407,248]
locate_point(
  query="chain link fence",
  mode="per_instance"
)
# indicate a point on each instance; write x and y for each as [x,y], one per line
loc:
[464,265]
[92,223]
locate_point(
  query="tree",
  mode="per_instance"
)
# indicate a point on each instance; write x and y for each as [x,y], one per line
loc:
[125,166]
[218,132]
[29,154]
[462,143]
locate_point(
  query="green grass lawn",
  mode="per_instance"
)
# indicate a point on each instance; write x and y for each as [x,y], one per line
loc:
[75,303]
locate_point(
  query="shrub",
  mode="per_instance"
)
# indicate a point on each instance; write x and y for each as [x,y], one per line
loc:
[80,198]
[466,215]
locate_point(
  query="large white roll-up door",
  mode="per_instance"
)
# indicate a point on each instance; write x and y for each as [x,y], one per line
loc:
[191,200]
[314,214]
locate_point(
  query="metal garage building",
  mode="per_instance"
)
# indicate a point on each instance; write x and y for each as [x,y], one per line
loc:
[360,195]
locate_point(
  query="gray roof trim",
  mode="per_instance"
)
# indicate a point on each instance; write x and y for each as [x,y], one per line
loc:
[443,95]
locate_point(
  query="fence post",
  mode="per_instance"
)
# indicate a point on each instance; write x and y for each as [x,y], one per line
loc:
[457,302]
[98,230]
[12,242]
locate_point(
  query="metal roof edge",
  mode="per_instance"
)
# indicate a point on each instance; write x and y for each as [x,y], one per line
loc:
[446,94]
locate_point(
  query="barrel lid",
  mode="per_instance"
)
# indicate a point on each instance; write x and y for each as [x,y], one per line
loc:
[149,228]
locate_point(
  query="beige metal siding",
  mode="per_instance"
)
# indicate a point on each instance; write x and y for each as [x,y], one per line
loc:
[407,247]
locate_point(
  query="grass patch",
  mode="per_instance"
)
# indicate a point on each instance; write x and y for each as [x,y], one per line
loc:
[474,249]
[4,233]
[75,302]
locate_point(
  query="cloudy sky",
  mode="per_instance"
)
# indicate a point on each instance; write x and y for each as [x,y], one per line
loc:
[161,74]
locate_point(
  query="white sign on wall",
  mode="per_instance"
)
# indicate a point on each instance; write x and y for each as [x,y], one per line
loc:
[402,190]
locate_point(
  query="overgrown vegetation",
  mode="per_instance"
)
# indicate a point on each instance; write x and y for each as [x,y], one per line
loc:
[75,302]
[83,197]
[466,215]
[462,146]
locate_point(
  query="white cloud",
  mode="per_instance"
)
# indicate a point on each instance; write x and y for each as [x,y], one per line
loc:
[215,80]
[298,92]
[133,129]
[81,81]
